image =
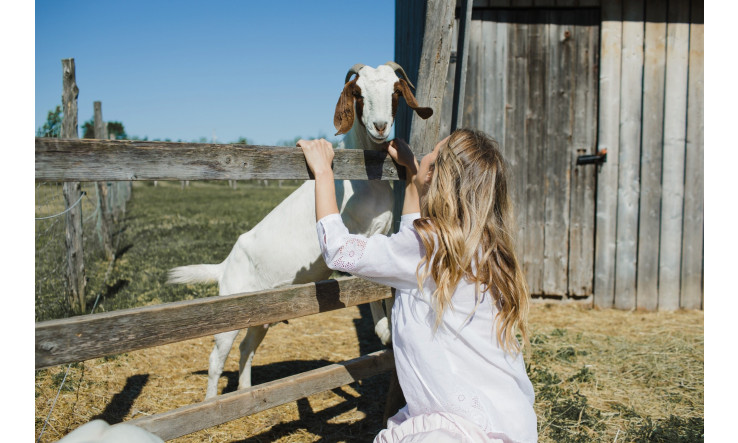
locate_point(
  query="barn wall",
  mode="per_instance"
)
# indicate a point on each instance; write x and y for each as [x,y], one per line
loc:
[649,218]
[649,223]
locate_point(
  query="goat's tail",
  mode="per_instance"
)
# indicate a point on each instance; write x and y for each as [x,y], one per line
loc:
[195,274]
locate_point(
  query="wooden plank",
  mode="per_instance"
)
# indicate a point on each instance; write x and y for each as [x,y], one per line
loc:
[84,337]
[517,114]
[494,36]
[558,133]
[631,80]
[434,58]
[447,106]
[694,182]
[462,62]
[473,103]
[581,218]
[227,407]
[122,160]
[652,142]
[72,191]
[533,126]
[675,122]
[608,139]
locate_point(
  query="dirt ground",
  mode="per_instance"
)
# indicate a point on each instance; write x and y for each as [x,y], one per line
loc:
[599,375]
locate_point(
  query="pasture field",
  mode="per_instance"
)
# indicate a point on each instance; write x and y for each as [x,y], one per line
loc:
[599,375]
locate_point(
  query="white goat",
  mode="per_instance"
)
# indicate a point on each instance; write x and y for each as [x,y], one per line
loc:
[99,431]
[283,248]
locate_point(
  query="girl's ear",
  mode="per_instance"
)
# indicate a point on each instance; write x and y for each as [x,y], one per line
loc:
[403,88]
[343,118]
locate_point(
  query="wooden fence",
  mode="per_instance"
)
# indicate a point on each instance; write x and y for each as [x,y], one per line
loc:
[95,335]
[85,337]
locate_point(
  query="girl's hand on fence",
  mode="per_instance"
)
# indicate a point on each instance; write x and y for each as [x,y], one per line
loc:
[403,155]
[318,154]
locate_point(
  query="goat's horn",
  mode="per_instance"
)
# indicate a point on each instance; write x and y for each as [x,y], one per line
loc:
[396,67]
[354,70]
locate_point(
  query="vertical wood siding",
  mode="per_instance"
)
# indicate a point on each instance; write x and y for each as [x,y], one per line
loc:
[650,224]
[675,131]
[652,140]
[693,235]
[553,80]
[631,81]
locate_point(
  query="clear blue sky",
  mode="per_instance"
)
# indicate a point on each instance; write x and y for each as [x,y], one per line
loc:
[264,70]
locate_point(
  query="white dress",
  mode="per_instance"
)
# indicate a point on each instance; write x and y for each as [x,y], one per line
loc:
[459,384]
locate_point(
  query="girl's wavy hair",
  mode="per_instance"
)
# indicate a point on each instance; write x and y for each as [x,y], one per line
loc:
[466,226]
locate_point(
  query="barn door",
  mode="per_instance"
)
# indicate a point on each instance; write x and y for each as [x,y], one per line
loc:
[532,84]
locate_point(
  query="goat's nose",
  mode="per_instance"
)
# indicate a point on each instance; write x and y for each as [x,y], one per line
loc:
[381,126]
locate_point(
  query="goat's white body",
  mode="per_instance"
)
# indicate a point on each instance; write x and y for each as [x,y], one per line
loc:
[99,431]
[283,248]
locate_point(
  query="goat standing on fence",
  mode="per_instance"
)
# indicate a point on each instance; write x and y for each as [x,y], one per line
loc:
[282,248]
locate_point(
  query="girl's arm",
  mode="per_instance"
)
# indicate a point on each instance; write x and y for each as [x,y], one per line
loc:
[319,156]
[401,153]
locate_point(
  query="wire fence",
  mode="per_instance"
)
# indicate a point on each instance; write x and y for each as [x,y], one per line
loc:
[51,260]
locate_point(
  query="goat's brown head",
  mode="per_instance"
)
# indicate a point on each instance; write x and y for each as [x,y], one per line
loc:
[372,97]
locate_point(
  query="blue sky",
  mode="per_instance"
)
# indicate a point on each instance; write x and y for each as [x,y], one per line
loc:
[264,70]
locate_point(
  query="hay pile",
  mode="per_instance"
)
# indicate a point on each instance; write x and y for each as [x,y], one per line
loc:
[599,375]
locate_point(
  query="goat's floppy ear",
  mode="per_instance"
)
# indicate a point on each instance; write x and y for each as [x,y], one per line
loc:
[404,89]
[343,119]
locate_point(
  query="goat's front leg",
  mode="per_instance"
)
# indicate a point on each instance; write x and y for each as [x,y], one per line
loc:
[253,339]
[223,343]
[381,323]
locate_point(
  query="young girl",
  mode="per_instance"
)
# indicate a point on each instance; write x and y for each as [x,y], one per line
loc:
[461,295]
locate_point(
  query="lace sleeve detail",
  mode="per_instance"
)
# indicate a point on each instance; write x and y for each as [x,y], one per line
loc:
[349,254]
[386,260]
[341,250]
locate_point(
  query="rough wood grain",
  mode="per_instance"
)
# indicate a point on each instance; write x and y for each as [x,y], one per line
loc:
[608,139]
[528,58]
[559,109]
[448,93]
[84,337]
[105,232]
[652,142]
[694,181]
[672,178]
[209,413]
[432,72]
[631,80]
[123,160]
[473,113]
[76,281]
[581,218]
[462,62]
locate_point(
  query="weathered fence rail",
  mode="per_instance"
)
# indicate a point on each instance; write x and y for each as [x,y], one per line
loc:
[97,335]
[234,405]
[124,160]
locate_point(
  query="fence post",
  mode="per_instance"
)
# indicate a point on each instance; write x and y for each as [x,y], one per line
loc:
[435,54]
[72,194]
[105,231]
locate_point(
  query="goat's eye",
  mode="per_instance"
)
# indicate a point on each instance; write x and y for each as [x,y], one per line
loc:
[357,94]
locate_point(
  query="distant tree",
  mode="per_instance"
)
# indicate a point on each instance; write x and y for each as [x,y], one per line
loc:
[115,129]
[243,141]
[52,127]
[88,128]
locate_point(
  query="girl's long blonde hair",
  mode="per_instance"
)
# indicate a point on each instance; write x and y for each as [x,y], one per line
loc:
[466,228]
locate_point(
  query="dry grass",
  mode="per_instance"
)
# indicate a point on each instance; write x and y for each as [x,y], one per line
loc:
[599,375]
